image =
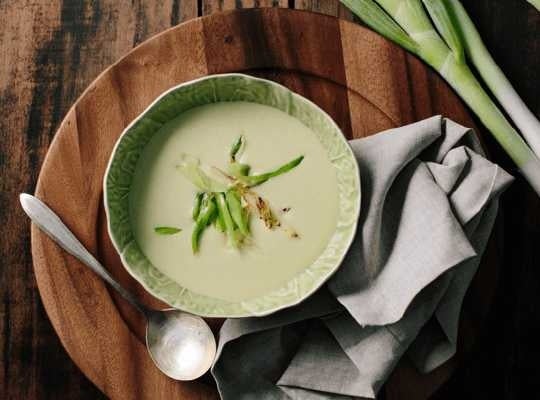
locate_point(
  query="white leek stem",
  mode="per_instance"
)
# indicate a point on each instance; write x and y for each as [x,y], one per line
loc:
[531,172]
[411,16]
[461,78]
[535,3]
[495,79]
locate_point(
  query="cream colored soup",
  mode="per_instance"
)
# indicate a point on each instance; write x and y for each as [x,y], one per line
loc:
[161,195]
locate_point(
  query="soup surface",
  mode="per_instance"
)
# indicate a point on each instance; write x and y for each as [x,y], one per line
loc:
[162,196]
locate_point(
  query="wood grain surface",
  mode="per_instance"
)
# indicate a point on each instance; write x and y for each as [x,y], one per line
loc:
[386,89]
[53,50]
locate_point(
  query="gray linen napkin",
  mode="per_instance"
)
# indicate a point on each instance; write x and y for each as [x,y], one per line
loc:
[429,200]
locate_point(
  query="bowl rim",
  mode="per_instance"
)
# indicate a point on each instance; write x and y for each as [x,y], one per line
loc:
[248,313]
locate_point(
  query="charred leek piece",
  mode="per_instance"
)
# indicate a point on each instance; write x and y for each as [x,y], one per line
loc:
[266,214]
[261,207]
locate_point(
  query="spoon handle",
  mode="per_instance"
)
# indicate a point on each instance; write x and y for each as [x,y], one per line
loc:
[52,225]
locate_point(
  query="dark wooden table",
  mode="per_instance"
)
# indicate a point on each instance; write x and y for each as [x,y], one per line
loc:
[51,50]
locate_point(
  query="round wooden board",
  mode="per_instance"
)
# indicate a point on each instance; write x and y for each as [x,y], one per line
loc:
[364,82]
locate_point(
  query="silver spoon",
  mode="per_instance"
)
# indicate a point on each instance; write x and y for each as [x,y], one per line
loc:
[181,345]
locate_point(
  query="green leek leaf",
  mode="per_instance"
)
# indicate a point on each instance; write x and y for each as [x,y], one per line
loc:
[254,180]
[410,15]
[447,26]
[375,17]
[236,147]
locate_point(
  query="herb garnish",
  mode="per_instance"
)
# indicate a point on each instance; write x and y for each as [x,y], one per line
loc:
[166,230]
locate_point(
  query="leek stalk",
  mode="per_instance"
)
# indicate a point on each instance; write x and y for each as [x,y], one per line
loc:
[494,78]
[443,48]
[535,3]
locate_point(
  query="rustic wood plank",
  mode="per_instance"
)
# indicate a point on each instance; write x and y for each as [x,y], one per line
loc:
[250,41]
[88,134]
[328,7]
[51,51]
[212,6]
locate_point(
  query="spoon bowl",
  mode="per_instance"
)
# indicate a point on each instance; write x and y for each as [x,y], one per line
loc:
[181,345]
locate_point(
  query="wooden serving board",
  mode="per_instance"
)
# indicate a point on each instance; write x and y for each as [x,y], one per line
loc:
[364,82]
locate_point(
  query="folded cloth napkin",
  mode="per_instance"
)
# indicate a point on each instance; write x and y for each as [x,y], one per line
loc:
[429,200]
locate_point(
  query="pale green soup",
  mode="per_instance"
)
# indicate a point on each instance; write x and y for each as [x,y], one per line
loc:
[161,195]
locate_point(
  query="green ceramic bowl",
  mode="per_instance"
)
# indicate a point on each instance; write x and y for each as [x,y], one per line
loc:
[219,88]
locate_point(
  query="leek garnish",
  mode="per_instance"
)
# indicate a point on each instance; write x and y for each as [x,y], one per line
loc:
[205,217]
[166,230]
[443,40]
[226,200]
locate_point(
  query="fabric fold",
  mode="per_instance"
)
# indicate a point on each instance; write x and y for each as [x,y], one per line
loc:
[429,201]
